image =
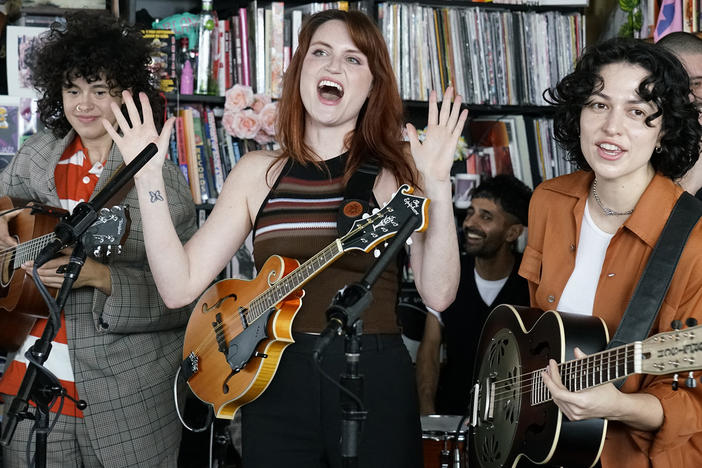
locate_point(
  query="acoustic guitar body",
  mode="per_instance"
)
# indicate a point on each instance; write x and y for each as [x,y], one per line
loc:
[514,432]
[20,302]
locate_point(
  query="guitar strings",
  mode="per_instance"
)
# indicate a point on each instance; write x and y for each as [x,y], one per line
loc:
[257,306]
[567,375]
[263,298]
[26,249]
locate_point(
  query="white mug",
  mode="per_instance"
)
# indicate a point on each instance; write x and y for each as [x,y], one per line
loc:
[463,184]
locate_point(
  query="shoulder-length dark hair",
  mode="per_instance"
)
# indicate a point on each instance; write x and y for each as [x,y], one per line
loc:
[666,86]
[91,46]
[378,132]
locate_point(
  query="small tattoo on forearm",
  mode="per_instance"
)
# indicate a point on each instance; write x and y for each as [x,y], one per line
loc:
[155,196]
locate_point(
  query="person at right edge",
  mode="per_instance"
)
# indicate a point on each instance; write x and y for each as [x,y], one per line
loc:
[340,107]
[687,47]
[625,117]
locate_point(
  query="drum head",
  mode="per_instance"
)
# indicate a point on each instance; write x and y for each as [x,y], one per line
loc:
[443,424]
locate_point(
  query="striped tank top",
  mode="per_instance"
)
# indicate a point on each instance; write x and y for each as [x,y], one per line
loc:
[298,220]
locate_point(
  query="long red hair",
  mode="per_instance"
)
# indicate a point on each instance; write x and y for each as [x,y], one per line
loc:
[378,132]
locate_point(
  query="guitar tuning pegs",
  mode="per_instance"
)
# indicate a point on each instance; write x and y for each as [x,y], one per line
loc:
[376,253]
[690,382]
[365,215]
[676,324]
[375,210]
[408,241]
[675,382]
[691,322]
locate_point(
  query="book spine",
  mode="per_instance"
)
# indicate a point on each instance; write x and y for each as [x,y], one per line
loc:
[245,61]
[260,50]
[180,142]
[277,10]
[214,146]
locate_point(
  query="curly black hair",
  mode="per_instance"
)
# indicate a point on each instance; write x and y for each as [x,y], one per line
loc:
[666,87]
[92,46]
[508,192]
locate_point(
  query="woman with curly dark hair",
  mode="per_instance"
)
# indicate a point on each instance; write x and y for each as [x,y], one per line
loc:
[118,345]
[626,118]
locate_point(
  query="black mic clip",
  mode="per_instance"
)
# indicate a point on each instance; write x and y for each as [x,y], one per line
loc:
[344,311]
[71,228]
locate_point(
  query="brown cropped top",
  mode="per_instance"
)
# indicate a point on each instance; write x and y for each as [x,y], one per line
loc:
[298,220]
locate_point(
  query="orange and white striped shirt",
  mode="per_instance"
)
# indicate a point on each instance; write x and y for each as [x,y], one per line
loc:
[76,179]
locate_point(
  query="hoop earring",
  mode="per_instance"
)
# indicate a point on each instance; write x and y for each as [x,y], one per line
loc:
[658,149]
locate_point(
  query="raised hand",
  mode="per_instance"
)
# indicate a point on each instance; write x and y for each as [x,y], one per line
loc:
[140,133]
[434,156]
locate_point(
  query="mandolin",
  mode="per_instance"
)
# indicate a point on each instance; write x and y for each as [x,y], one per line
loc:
[239,329]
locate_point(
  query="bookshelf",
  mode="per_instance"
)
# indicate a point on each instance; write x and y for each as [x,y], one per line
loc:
[501,71]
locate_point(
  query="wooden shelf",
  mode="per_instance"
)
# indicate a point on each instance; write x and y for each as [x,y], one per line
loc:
[174,98]
[412,106]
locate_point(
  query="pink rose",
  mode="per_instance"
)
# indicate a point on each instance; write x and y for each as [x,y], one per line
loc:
[238,97]
[262,138]
[259,101]
[268,116]
[246,124]
[228,122]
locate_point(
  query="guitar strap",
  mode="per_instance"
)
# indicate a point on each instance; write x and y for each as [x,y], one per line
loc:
[652,287]
[359,191]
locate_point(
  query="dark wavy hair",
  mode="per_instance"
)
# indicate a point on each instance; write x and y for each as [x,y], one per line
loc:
[508,192]
[92,46]
[378,132]
[666,87]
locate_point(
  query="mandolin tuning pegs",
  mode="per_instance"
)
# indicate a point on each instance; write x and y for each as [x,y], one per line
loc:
[408,241]
[375,210]
[365,215]
[376,253]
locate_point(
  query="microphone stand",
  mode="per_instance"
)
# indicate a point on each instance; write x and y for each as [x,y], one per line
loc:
[39,384]
[346,309]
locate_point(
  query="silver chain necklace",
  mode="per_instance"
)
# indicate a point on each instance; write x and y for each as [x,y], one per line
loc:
[605,210]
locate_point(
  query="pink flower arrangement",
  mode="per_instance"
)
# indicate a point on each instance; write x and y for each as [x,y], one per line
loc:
[248,115]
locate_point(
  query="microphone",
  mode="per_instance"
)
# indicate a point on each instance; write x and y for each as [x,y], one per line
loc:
[85,213]
[352,300]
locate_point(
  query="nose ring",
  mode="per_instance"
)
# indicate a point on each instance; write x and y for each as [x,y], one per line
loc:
[79,108]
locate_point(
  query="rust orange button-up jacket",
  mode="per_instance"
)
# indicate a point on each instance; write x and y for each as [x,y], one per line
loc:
[555,215]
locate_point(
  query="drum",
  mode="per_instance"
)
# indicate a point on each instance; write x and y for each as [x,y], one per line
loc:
[444,446]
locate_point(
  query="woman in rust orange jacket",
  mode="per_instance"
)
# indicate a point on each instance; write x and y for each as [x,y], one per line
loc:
[625,118]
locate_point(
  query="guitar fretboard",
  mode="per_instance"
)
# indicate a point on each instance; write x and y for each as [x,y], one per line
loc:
[294,280]
[591,371]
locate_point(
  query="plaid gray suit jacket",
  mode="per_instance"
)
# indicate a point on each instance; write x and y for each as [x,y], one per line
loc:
[124,348]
